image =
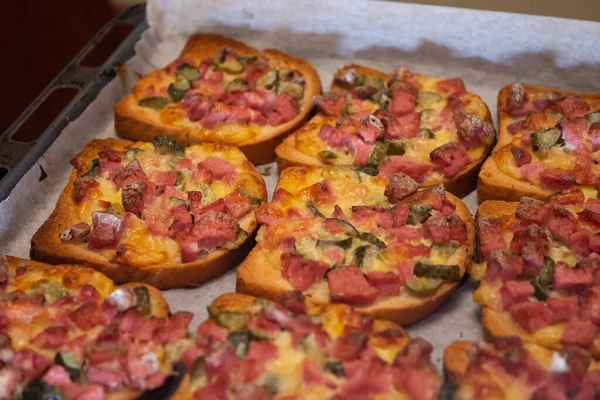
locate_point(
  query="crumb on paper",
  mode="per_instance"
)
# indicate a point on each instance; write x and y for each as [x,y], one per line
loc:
[266,171]
[460,335]
[437,360]
[43,174]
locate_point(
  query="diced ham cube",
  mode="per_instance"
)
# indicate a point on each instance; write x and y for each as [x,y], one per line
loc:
[405,271]
[532,210]
[521,155]
[30,363]
[348,285]
[253,365]
[490,235]
[513,292]
[504,265]
[404,98]
[573,130]
[219,168]
[417,171]
[472,130]
[347,347]
[572,279]
[285,109]
[386,283]
[399,187]
[52,337]
[591,304]
[83,187]
[593,205]
[406,126]
[210,329]
[237,205]
[579,331]
[334,137]
[448,229]
[452,87]
[215,229]
[130,174]
[323,193]
[331,103]
[557,178]
[302,274]
[562,309]
[105,230]
[164,178]
[574,106]
[531,315]
[449,159]
[568,197]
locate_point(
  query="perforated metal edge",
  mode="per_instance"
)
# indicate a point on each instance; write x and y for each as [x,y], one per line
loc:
[18,157]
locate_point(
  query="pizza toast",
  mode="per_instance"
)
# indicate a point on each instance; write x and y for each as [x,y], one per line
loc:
[309,364]
[286,246]
[409,128]
[510,369]
[204,98]
[536,254]
[518,166]
[63,326]
[211,186]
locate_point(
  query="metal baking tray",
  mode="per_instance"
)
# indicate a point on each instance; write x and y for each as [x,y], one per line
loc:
[17,157]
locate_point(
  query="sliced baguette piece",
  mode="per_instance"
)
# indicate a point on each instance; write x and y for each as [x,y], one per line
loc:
[46,245]
[493,184]
[141,123]
[259,276]
[461,184]
[334,323]
[499,324]
[23,274]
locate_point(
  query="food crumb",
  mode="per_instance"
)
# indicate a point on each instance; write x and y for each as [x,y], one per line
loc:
[438,360]
[460,335]
[43,175]
[266,171]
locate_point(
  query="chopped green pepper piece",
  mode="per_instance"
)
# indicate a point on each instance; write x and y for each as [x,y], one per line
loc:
[175,202]
[359,254]
[423,286]
[156,102]
[284,73]
[593,117]
[40,390]
[326,156]
[313,209]
[542,282]
[235,66]
[116,209]
[379,152]
[240,341]
[131,153]
[198,370]
[92,171]
[187,72]
[373,171]
[546,138]
[293,89]
[267,81]
[426,133]
[236,84]
[436,271]
[143,300]
[396,148]
[70,363]
[448,391]
[425,99]
[374,240]
[371,81]
[52,290]
[165,145]
[418,213]
[176,92]
[343,243]
[271,383]
[335,367]
[253,199]
[232,320]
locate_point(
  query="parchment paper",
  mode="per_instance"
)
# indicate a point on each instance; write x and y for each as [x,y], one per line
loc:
[486,49]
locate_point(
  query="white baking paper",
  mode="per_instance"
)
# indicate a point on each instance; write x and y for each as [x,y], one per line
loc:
[486,49]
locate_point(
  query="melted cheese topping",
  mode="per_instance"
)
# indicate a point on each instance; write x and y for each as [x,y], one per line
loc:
[418,149]
[141,245]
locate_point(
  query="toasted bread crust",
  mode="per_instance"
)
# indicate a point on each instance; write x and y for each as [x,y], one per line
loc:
[498,324]
[257,277]
[139,123]
[460,184]
[494,184]
[46,245]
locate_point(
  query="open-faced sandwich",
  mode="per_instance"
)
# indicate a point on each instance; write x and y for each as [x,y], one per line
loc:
[68,333]
[548,141]
[221,90]
[155,212]
[252,348]
[541,279]
[512,370]
[342,236]
[429,128]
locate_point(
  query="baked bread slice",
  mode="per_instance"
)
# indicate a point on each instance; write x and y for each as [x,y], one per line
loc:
[562,153]
[297,350]
[540,278]
[510,369]
[429,128]
[340,235]
[224,91]
[155,213]
[68,332]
